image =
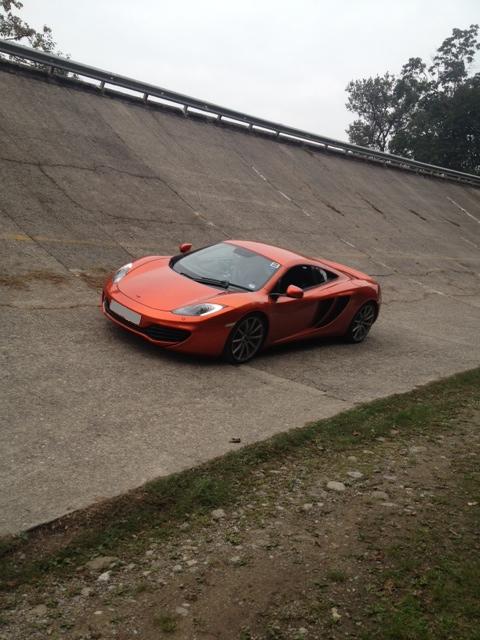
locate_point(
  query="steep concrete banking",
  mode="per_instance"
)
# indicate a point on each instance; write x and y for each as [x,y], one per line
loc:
[88,181]
[82,167]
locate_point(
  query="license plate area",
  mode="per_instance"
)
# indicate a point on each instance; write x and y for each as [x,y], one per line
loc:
[125,312]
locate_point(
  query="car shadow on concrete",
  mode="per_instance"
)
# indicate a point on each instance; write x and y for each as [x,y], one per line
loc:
[149,350]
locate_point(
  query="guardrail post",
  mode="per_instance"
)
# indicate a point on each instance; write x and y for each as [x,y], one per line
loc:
[145,98]
[101,86]
[185,110]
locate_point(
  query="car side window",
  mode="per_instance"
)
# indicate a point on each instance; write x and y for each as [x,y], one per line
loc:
[320,275]
[302,275]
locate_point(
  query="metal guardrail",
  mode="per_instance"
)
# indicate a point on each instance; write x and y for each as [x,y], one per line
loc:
[186,103]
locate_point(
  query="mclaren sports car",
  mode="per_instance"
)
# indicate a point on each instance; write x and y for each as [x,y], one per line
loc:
[234,298]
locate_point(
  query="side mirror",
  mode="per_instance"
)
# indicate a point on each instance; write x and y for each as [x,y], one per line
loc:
[185,247]
[294,292]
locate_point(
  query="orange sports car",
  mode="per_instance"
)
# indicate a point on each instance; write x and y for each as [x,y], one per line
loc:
[236,297]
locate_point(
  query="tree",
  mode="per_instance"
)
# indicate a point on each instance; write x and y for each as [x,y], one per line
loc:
[431,114]
[12,27]
[374,101]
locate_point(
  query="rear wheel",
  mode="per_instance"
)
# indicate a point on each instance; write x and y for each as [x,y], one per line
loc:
[362,323]
[246,339]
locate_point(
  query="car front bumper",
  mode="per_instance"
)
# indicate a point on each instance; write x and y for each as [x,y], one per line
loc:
[195,334]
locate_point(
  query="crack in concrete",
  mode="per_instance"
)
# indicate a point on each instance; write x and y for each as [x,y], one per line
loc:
[42,166]
[83,208]
[32,239]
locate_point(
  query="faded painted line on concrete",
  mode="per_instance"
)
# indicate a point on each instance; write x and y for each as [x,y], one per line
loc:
[463,210]
[19,237]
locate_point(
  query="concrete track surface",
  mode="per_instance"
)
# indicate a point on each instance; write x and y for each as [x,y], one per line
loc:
[87,182]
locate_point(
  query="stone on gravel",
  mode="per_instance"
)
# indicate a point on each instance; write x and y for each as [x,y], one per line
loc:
[177,568]
[390,478]
[317,491]
[333,485]
[417,449]
[102,562]
[40,610]
[263,543]
[352,458]
[104,577]
[308,506]
[181,611]
[191,563]
[335,615]
[86,591]
[355,475]
[218,514]
[379,495]
[236,561]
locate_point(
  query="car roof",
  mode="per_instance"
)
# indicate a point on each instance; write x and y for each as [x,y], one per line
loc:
[282,256]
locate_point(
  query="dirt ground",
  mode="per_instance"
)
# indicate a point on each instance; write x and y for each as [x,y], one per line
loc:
[296,558]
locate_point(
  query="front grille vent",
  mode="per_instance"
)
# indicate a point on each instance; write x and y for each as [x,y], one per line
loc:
[166,334]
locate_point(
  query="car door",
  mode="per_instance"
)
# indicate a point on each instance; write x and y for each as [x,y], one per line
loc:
[290,316]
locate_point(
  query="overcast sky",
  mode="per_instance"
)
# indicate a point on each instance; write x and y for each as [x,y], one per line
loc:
[284,60]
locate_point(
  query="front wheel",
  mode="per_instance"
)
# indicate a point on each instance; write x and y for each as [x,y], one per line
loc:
[362,323]
[245,340]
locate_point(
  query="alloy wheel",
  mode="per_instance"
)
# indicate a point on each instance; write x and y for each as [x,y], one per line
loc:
[362,323]
[247,338]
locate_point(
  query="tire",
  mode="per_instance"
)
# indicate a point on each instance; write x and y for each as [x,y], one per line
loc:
[361,323]
[246,339]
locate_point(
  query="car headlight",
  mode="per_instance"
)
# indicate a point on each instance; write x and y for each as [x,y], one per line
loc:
[122,272]
[203,309]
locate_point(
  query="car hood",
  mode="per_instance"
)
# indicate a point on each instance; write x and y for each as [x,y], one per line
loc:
[157,286]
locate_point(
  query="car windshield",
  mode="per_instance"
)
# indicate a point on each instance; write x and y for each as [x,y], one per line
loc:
[227,265]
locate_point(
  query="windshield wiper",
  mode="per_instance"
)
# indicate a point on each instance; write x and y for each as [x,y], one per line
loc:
[213,281]
[239,286]
[224,284]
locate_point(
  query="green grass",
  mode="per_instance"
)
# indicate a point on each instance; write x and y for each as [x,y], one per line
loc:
[336,576]
[165,623]
[156,510]
[435,572]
